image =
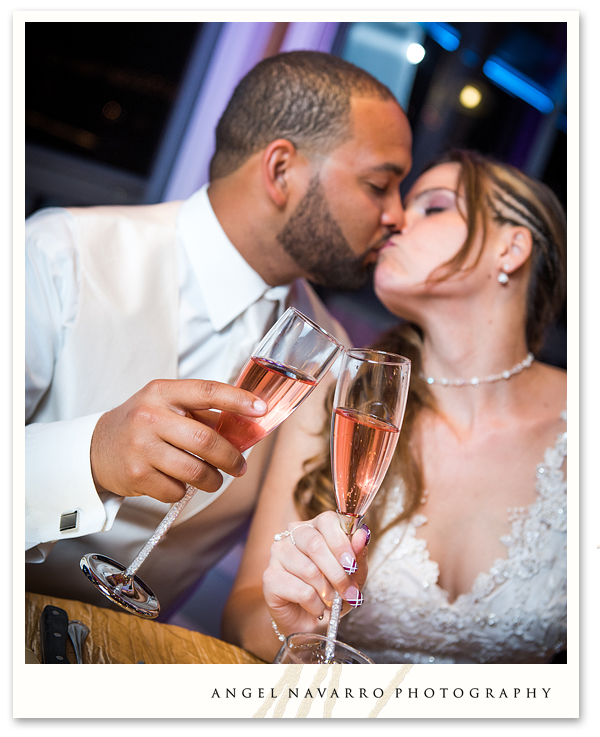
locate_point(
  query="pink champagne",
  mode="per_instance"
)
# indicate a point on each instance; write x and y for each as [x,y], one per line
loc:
[281,387]
[363,447]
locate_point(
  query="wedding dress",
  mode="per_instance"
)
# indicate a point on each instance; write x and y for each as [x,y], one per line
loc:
[514,613]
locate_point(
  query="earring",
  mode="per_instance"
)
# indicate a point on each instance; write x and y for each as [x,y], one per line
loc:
[503,276]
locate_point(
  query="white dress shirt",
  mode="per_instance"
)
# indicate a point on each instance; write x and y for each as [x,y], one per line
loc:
[229,286]
[224,309]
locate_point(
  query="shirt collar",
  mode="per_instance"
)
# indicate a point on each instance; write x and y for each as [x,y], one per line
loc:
[229,284]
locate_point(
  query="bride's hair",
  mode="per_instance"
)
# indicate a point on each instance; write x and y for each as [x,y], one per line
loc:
[494,192]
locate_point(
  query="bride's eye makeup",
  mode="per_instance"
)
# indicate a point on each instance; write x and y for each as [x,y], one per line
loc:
[433,201]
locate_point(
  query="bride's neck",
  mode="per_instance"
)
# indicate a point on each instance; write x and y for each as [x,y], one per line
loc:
[463,347]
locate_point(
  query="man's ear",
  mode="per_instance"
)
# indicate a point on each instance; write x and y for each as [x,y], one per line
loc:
[277,160]
[515,248]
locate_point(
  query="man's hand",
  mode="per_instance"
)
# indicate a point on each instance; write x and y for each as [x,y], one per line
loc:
[163,438]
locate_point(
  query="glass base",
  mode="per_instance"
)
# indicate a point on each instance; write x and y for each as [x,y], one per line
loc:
[308,648]
[130,594]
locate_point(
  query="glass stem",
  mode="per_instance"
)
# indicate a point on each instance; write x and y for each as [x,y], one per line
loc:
[334,621]
[160,531]
[349,524]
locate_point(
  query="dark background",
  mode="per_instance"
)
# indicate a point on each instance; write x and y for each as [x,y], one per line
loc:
[99,98]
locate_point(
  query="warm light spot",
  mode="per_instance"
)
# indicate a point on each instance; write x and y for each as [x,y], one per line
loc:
[64,131]
[112,110]
[470,96]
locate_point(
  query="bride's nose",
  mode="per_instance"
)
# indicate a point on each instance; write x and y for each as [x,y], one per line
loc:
[393,214]
[404,229]
[407,221]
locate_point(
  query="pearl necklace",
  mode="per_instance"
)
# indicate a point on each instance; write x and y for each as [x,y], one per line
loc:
[476,381]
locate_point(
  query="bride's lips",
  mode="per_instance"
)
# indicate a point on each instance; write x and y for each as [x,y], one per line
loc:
[373,253]
[388,244]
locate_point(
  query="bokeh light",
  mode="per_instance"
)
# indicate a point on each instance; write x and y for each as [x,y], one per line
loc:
[470,96]
[415,53]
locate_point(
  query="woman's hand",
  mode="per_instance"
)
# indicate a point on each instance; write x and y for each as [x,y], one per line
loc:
[307,567]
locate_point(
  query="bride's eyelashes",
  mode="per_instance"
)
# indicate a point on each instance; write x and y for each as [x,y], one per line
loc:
[433,201]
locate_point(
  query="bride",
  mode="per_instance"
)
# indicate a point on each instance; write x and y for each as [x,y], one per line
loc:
[467,536]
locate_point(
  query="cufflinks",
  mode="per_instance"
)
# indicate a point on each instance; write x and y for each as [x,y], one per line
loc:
[68,521]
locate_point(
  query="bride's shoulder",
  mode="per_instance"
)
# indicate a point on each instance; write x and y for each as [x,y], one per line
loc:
[552,385]
[554,376]
[553,372]
[542,393]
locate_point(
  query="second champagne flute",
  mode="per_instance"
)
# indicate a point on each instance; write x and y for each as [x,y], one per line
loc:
[368,409]
[287,365]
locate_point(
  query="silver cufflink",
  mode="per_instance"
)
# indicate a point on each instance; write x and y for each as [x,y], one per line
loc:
[68,521]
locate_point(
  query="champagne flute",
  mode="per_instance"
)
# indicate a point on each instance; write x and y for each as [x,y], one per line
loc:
[288,364]
[368,409]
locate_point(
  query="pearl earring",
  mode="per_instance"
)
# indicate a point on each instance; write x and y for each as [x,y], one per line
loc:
[503,276]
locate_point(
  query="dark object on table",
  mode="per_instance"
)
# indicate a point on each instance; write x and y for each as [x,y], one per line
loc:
[53,633]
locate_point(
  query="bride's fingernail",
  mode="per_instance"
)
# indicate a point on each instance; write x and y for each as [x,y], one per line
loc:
[354,597]
[348,563]
[367,532]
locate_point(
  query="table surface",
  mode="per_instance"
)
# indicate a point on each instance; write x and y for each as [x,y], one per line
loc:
[118,637]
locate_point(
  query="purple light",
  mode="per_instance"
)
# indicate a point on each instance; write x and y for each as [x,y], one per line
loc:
[309,36]
[239,48]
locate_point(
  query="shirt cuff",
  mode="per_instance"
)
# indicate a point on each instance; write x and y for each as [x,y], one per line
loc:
[61,500]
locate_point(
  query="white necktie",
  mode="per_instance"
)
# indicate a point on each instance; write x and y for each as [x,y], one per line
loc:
[256,321]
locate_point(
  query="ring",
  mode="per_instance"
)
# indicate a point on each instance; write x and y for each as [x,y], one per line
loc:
[288,533]
[304,524]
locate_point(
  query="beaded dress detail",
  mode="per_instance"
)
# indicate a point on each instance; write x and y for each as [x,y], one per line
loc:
[515,613]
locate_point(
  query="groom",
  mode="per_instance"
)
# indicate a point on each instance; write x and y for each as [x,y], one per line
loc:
[136,315]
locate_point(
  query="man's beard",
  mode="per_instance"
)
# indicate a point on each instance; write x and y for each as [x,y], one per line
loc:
[313,238]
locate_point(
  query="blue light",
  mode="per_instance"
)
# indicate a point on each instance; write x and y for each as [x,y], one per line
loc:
[517,84]
[561,123]
[447,37]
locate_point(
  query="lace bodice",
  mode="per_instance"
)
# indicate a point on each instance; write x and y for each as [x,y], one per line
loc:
[514,613]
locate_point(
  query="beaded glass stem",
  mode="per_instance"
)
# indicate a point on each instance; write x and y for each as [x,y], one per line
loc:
[160,531]
[334,621]
[302,353]
[349,524]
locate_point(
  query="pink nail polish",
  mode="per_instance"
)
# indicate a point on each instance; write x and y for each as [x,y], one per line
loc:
[348,563]
[354,597]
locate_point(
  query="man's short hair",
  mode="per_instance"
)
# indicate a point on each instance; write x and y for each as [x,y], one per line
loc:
[302,96]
